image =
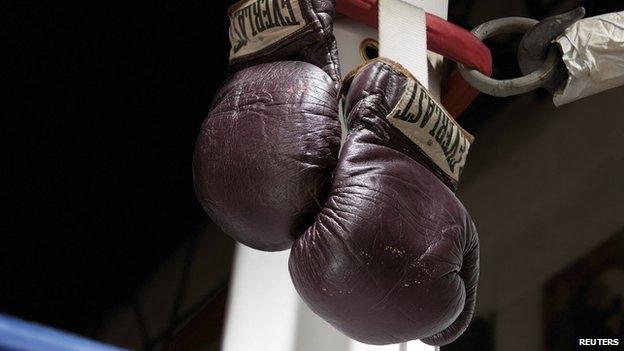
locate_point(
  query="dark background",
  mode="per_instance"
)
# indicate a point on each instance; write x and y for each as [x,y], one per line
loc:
[102,105]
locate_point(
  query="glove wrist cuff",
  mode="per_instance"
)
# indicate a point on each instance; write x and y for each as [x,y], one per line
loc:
[442,142]
[277,30]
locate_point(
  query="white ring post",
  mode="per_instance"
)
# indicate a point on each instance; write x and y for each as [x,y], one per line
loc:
[403,38]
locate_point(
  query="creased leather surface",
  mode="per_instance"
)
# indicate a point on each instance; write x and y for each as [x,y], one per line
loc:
[393,255]
[266,151]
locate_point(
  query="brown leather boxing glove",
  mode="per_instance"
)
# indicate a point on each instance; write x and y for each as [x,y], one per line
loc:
[393,255]
[266,151]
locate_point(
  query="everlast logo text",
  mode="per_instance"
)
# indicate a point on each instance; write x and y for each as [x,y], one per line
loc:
[428,125]
[258,23]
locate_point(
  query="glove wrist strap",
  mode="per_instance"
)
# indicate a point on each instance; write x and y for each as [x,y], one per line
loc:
[429,127]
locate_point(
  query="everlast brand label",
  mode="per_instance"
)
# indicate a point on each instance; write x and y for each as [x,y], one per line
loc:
[430,127]
[256,24]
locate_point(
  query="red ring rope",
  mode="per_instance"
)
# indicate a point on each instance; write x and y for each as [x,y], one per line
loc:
[444,38]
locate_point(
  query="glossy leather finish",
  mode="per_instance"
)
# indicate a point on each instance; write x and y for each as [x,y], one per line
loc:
[266,151]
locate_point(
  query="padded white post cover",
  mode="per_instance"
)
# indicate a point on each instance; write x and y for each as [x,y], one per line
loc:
[593,52]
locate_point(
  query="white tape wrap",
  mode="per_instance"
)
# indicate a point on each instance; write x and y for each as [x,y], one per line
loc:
[593,52]
[403,36]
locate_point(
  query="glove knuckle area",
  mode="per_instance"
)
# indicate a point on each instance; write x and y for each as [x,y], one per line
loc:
[469,274]
[383,260]
[265,152]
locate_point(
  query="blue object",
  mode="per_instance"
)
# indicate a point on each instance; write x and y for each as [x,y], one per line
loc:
[19,335]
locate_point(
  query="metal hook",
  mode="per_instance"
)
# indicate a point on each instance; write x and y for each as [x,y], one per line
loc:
[540,62]
[536,42]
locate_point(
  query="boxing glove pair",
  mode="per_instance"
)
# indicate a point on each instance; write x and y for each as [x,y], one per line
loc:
[381,247]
